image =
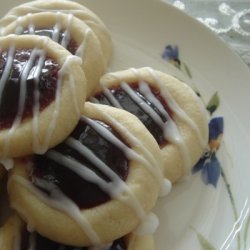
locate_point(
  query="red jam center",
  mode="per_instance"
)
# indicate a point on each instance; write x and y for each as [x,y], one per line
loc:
[131,106]
[62,38]
[25,75]
[84,193]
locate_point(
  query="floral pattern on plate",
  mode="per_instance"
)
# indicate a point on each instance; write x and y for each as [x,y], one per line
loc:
[209,165]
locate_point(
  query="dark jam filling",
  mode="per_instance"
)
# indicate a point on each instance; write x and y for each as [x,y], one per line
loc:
[47,84]
[42,243]
[130,105]
[85,194]
[70,44]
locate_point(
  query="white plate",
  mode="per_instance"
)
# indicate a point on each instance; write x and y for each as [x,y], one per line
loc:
[194,215]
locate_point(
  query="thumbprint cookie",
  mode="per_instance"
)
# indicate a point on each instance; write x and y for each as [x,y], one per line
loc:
[68,7]
[71,33]
[170,110]
[40,82]
[94,182]
[14,234]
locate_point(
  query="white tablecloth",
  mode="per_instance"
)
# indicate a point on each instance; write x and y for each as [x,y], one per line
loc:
[229,19]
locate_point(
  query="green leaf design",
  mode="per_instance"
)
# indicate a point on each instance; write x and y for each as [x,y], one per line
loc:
[205,244]
[213,103]
[186,69]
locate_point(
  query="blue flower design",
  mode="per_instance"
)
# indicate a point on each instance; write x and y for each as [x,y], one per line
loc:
[171,54]
[210,168]
[216,128]
[209,164]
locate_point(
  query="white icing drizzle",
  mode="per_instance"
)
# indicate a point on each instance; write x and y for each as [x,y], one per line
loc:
[148,226]
[116,188]
[130,154]
[111,98]
[8,66]
[90,19]
[118,185]
[19,28]
[36,107]
[37,54]
[81,49]
[21,101]
[143,104]
[66,34]
[170,130]
[59,201]
[177,110]
[149,160]
[80,169]
[166,188]
[146,91]
[38,148]
[74,92]
[23,89]
[42,148]
[57,28]
[31,27]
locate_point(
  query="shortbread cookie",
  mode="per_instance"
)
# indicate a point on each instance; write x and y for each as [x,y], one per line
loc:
[14,235]
[72,34]
[68,7]
[10,233]
[170,110]
[94,182]
[42,93]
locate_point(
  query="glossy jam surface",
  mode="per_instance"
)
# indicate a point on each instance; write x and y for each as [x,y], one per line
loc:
[46,82]
[41,243]
[130,105]
[85,194]
[61,37]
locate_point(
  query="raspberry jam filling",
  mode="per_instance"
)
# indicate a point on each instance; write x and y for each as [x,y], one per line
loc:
[128,103]
[21,78]
[35,241]
[84,193]
[61,37]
